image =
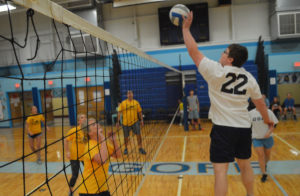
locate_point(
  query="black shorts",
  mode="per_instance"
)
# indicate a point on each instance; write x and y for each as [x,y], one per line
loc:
[135,128]
[228,143]
[34,135]
[105,193]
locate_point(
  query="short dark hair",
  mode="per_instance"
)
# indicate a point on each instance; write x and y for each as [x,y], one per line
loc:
[238,53]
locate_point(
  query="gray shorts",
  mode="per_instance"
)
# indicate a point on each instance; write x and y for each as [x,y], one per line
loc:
[135,128]
[194,114]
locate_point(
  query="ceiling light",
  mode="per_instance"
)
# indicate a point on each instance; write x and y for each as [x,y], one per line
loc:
[3,8]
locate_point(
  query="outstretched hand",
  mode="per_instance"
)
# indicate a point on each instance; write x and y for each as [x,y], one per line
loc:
[187,21]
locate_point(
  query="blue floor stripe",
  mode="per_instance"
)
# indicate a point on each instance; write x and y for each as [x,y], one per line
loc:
[278,184]
[158,168]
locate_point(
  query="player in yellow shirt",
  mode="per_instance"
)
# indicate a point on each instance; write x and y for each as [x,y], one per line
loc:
[131,113]
[96,160]
[75,137]
[181,112]
[34,131]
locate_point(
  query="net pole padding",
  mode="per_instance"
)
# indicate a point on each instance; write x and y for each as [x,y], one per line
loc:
[184,100]
[183,83]
[62,15]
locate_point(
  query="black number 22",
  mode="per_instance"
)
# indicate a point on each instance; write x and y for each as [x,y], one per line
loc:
[237,89]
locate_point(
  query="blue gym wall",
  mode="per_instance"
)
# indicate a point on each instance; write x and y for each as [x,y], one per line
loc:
[280,57]
[8,84]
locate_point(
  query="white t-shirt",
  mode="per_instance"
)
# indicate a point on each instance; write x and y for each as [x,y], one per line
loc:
[259,128]
[229,89]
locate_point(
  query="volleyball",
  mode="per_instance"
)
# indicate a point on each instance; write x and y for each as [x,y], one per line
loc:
[176,13]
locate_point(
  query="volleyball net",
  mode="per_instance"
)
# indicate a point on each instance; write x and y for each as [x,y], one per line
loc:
[66,67]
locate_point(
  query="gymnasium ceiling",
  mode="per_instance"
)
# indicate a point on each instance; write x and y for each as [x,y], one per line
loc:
[120,3]
[82,4]
[116,3]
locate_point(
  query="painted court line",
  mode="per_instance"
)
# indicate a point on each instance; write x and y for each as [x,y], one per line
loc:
[279,186]
[156,154]
[284,141]
[182,160]
[158,168]
[288,133]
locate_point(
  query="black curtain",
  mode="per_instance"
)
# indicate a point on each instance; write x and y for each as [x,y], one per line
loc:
[115,81]
[262,67]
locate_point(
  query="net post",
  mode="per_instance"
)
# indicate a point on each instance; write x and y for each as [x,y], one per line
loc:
[184,99]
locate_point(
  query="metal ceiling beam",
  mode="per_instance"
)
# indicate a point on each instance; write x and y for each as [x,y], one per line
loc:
[123,3]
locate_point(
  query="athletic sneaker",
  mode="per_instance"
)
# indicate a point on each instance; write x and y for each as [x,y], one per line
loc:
[295,117]
[39,161]
[264,178]
[125,151]
[142,151]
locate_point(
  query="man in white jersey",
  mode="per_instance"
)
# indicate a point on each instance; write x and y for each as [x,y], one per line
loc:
[230,87]
[262,139]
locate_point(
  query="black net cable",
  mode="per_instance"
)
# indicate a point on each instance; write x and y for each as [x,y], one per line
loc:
[97,59]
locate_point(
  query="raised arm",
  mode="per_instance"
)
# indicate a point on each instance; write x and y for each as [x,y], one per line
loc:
[102,156]
[117,149]
[189,41]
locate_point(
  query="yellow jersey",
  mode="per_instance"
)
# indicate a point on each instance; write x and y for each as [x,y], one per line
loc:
[72,138]
[130,110]
[91,182]
[181,106]
[34,124]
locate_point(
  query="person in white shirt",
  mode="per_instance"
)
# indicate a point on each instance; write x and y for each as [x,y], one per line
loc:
[230,87]
[262,139]
[194,109]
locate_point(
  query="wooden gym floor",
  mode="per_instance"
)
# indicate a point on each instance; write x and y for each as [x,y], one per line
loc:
[180,167]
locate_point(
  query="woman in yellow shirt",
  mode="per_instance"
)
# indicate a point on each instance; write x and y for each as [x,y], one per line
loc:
[34,131]
[181,112]
[75,137]
[96,160]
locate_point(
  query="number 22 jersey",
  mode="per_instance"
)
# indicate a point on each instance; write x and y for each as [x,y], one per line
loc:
[229,89]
